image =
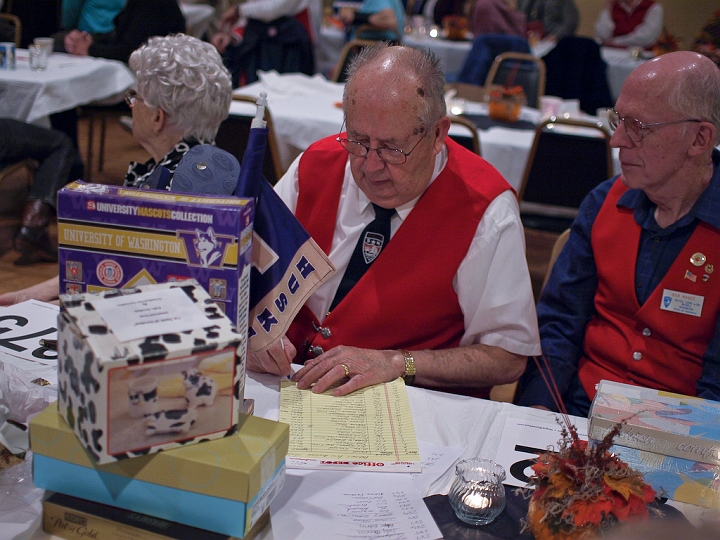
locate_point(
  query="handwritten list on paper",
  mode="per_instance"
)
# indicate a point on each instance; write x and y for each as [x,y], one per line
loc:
[359,505]
[371,429]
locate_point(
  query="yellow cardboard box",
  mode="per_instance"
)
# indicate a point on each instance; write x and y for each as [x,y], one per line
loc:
[223,485]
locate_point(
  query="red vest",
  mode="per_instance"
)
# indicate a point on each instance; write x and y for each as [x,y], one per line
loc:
[405,300]
[646,345]
[627,22]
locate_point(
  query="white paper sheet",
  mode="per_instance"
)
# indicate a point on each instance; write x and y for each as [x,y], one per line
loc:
[151,313]
[22,326]
[520,443]
[435,460]
[317,505]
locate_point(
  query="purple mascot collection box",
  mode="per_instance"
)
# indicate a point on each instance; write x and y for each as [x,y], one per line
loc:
[114,237]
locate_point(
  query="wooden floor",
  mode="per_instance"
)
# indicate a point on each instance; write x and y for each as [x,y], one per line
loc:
[120,149]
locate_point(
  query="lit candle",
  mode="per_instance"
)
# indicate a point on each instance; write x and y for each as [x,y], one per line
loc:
[477,501]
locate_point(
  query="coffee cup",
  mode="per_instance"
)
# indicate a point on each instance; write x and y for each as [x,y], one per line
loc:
[550,105]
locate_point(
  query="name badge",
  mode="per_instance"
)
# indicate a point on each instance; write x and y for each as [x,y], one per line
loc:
[678,302]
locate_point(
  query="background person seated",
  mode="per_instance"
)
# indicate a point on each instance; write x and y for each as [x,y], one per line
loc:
[387,17]
[549,19]
[431,279]
[264,35]
[630,23]
[497,17]
[633,296]
[93,16]
[139,20]
[708,42]
[183,94]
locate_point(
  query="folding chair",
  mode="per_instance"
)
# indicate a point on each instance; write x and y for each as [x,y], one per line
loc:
[233,135]
[519,69]
[349,51]
[471,141]
[10,28]
[567,160]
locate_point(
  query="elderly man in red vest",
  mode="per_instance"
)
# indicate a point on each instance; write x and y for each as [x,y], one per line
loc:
[431,283]
[633,296]
[630,23]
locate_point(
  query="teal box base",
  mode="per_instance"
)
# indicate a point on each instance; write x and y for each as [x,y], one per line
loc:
[215,514]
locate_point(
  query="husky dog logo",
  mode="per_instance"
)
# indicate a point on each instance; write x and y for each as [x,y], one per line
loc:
[207,247]
[372,244]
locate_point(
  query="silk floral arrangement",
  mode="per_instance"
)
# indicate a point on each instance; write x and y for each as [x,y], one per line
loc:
[582,489]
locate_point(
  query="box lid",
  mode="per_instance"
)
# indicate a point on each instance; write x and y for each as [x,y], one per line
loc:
[656,421]
[234,467]
[213,331]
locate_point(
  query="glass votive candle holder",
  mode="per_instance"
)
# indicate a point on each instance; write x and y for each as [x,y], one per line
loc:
[477,495]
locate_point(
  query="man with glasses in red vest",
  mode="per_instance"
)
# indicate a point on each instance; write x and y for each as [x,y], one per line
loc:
[634,295]
[432,282]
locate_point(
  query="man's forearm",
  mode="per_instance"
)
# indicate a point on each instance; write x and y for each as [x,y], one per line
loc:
[474,365]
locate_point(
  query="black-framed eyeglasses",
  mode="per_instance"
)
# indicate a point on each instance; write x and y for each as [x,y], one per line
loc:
[394,156]
[634,128]
[131,96]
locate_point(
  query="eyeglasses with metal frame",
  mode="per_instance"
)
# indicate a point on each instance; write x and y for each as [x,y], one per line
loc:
[393,156]
[634,128]
[131,96]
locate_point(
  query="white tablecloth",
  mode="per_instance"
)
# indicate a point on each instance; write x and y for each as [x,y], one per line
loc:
[452,54]
[68,81]
[439,418]
[197,17]
[619,65]
[305,109]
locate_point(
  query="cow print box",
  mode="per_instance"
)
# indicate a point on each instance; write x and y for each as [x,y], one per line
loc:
[116,237]
[128,398]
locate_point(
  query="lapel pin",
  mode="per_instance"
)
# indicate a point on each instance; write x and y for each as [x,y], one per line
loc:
[698,259]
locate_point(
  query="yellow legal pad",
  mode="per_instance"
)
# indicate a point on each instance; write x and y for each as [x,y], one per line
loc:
[370,429]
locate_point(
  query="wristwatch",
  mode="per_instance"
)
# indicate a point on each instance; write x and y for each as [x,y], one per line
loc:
[410,370]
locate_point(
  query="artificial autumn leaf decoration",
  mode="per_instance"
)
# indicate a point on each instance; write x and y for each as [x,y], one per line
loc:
[582,489]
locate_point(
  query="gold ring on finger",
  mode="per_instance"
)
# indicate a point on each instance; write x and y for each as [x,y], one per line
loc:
[347,369]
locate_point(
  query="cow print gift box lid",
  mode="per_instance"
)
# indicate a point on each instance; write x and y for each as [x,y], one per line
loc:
[148,368]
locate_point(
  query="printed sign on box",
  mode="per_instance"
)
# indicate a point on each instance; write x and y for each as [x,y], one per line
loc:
[113,237]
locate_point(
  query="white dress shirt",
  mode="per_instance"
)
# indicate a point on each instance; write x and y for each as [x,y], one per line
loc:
[492,282]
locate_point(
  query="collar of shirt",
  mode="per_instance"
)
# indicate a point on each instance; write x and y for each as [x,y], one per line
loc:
[364,204]
[704,209]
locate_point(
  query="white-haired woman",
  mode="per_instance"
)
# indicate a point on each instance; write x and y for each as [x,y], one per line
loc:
[183,94]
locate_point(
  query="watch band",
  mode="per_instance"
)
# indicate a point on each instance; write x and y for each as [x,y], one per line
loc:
[410,370]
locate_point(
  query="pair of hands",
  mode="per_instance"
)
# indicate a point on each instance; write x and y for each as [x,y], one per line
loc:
[223,38]
[366,367]
[78,43]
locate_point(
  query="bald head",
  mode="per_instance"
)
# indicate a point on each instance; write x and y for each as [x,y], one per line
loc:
[686,82]
[401,74]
